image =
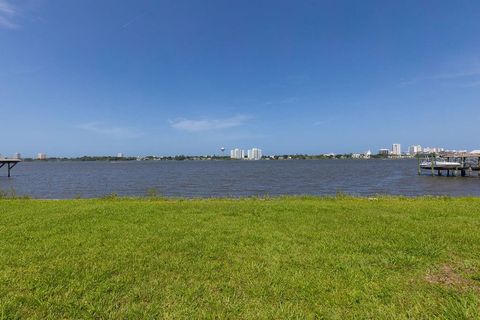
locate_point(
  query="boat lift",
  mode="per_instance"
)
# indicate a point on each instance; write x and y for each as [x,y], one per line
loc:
[451,162]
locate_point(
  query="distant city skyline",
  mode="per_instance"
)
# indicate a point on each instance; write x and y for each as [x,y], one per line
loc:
[251,154]
[143,77]
[257,153]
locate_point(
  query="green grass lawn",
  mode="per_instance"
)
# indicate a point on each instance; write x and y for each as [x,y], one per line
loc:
[333,258]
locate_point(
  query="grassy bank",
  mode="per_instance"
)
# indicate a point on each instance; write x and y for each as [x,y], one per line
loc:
[250,258]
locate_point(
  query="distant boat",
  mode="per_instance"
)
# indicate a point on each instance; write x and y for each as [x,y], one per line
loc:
[440,164]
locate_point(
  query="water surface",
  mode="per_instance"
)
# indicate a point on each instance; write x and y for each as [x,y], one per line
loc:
[57,180]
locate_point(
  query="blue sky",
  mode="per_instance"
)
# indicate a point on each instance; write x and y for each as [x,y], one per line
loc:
[188,77]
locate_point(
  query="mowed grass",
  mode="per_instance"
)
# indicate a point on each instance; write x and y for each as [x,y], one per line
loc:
[333,258]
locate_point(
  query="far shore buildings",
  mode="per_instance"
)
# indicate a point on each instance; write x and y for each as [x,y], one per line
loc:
[417,149]
[384,152]
[396,149]
[366,155]
[41,156]
[252,154]
[237,154]
[432,150]
[16,156]
[414,150]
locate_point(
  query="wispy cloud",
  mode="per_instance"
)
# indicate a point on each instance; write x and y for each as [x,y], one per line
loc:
[324,121]
[113,132]
[456,77]
[291,100]
[198,125]
[134,19]
[21,71]
[291,80]
[472,84]
[7,12]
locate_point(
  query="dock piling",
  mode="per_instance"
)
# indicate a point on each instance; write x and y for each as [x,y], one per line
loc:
[433,166]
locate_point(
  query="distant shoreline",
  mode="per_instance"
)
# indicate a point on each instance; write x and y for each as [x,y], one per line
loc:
[311,158]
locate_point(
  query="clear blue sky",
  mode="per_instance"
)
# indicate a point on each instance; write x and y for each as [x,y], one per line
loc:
[188,77]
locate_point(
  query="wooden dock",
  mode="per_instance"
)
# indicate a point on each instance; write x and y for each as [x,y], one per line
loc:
[468,163]
[10,164]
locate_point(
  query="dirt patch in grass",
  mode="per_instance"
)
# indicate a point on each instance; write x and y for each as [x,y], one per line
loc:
[448,276]
[445,276]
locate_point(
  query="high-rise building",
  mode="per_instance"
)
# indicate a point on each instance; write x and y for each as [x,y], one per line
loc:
[17,156]
[255,154]
[415,149]
[41,156]
[396,149]
[119,155]
[237,154]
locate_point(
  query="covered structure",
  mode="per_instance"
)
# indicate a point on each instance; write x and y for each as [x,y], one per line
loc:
[10,163]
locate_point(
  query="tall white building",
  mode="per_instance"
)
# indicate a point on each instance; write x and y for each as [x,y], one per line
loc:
[255,154]
[237,154]
[42,156]
[415,149]
[17,156]
[396,149]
